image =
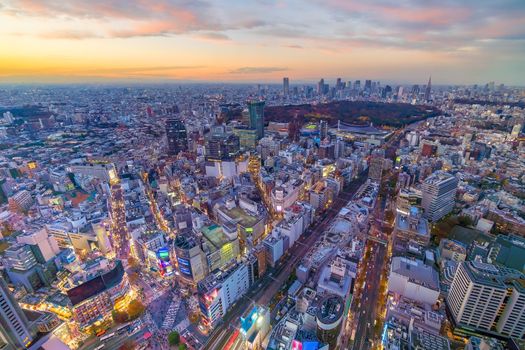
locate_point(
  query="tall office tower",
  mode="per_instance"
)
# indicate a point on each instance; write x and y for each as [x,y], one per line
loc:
[338,84]
[488,299]
[320,87]
[286,86]
[15,330]
[376,167]
[323,129]
[439,192]
[177,136]
[400,92]
[357,85]
[386,92]
[256,111]
[368,85]
[428,89]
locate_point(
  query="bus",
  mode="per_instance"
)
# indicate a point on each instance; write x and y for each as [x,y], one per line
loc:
[123,327]
[107,336]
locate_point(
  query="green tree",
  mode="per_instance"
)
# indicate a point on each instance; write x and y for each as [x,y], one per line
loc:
[174,338]
[128,345]
[133,263]
[465,221]
[119,317]
[135,309]
[182,346]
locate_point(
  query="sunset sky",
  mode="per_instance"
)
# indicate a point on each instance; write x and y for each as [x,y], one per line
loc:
[463,41]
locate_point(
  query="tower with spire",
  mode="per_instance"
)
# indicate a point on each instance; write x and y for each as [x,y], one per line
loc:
[428,89]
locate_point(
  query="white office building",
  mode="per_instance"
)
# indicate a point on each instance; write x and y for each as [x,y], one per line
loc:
[15,329]
[489,299]
[439,193]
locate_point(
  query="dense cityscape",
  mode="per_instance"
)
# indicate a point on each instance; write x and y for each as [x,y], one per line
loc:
[262,175]
[337,215]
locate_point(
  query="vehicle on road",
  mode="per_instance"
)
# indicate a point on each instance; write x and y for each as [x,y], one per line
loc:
[107,336]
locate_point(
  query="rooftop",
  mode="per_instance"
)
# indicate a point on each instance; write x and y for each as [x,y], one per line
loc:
[413,223]
[215,235]
[241,217]
[416,271]
[330,309]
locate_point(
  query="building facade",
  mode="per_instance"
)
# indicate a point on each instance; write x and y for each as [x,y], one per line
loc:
[439,193]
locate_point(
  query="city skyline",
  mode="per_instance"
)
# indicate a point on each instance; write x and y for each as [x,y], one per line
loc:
[455,42]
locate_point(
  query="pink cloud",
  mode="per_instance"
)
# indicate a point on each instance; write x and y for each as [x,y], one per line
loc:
[415,13]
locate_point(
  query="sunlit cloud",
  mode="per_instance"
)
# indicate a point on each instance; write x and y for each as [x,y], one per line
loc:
[312,38]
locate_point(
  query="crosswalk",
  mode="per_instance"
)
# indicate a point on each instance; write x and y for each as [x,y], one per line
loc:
[171,314]
[182,325]
[151,323]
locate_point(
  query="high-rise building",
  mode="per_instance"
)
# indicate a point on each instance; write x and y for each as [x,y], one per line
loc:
[368,85]
[177,136]
[329,319]
[43,245]
[415,90]
[220,290]
[223,147]
[247,137]
[256,111]
[338,84]
[357,85]
[15,329]
[286,86]
[428,89]
[488,299]
[323,129]
[191,260]
[320,87]
[439,192]
[20,257]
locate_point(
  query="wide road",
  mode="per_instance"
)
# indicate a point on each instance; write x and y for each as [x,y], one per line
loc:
[115,342]
[264,290]
[366,311]
[119,229]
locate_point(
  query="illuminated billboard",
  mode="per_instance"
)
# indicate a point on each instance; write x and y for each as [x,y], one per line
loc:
[164,262]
